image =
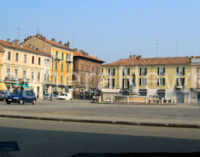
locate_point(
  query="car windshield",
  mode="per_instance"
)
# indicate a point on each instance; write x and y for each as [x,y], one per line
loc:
[16,93]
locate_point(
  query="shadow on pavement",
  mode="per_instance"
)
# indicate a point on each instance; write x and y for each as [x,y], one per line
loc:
[44,143]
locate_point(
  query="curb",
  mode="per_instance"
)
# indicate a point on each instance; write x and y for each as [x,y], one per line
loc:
[104,121]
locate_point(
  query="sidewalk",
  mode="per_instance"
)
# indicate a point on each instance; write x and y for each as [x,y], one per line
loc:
[184,116]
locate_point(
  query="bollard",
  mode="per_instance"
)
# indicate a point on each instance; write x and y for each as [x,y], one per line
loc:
[127,100]
[99,99]
[111,100]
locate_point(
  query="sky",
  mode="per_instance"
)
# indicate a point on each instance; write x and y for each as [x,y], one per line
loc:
[108,29]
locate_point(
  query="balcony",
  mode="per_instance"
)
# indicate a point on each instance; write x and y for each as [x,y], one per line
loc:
[68,61]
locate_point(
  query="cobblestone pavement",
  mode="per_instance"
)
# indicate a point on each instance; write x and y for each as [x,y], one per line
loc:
[82,109]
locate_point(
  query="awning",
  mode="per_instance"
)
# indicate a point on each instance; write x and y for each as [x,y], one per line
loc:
[21,85]
[3,86]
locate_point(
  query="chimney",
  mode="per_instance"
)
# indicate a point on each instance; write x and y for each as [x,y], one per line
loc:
[8,40]
[134,56]
[75,49]
[130,56]
[60,42]
[16,42]
[67,44]
[139,57]
[53,39]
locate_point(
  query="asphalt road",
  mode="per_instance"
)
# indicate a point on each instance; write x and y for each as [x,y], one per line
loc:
[61,139]
[79,109]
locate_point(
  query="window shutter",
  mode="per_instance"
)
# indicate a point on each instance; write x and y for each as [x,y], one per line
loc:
[128,71]
[158,81]
[140,82]
[158,71]
[140,71]
[164,81]
[183,70]
[177,70]
[164,70]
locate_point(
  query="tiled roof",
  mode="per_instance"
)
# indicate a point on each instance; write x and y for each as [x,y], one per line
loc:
[21,47]
[52,42]
[151,61]
[81,54]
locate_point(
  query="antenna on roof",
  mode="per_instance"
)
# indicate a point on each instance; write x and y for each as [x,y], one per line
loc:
[18,33]
[157,46]
[37,30]
[73,36]
[176,43]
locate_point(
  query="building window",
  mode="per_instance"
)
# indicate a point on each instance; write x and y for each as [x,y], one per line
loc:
[25,58]
[39,61]
[24,73]
[67,67]
[93,68]
[126,71]
[125,83]
[62,67]
[143,92]
[55,79]
[9,55]
[8,72]
[88,68]
[61,79]
[68,57]
[161,82]
[67,79]
[33,59]
[111,83]
[32,76]
[111,72]
[161,71]
[62,55]
[198,70]
[17,57]
[56,54]
[56,65]
[16,73]
[92,81]
[38,76]
[198,83]
[98,69]
[143,71]
[180,71]
[82,67]
[143,82]
[180,82]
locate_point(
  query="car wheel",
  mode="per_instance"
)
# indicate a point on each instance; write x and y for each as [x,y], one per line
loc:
[33,102]
[21,102]
[7,102]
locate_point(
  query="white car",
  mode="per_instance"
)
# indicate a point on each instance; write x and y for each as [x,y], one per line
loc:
[66,96]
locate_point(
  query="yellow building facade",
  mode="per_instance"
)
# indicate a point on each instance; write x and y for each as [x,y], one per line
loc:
[23,66]
[61,61]
[170,78]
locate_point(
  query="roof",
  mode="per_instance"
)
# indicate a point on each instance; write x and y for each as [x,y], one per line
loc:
[53,43]
[85,55]
[152,61]
[21,47]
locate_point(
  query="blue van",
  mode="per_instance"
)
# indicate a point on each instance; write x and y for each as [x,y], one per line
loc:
[21,97]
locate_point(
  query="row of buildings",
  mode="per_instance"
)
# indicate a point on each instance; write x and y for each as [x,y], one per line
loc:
[48,66]
[176,78]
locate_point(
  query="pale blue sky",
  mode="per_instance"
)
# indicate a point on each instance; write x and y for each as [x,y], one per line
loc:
[108,29]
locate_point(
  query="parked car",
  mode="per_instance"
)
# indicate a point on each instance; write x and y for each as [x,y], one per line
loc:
[49,96]
[21,97]
[65,96]
[3,95]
